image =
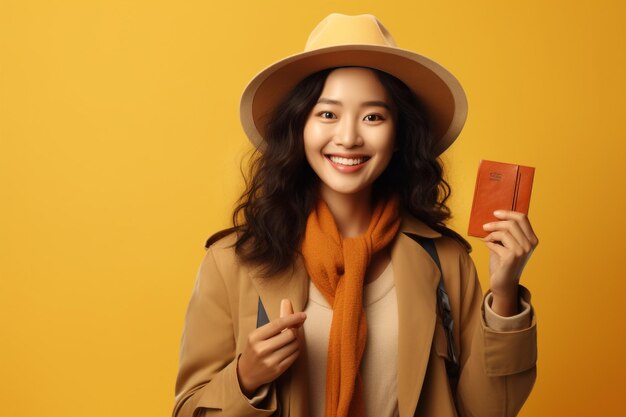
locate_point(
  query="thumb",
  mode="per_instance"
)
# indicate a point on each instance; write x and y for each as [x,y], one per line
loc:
[285,307]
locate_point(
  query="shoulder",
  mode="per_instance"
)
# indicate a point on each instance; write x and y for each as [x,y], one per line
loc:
[452,249]
[450,235]
[450,245]
[222,275]
[221,254]
[456,262]
[222,240]
[443,236]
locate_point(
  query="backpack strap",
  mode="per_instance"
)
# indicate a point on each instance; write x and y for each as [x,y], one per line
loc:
[261,315]
[445,313]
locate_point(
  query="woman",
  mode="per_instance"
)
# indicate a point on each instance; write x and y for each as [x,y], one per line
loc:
[330,295]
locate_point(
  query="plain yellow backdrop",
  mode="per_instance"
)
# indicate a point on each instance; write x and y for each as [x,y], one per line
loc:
[120,150]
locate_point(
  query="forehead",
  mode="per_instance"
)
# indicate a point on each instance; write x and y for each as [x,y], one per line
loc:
[354,84]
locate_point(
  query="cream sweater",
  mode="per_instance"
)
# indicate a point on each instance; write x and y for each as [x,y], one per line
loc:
[379,363]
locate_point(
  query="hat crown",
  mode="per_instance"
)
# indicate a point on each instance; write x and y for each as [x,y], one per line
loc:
[340,29]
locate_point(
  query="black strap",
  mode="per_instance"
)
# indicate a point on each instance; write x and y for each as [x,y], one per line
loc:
[443,305]
[261,316]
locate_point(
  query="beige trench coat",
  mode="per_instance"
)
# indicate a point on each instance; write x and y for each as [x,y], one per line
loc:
[497,369]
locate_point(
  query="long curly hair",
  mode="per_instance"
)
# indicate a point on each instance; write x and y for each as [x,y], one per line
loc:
[281,187]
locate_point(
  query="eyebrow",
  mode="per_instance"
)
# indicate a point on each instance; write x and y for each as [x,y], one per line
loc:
[375,103]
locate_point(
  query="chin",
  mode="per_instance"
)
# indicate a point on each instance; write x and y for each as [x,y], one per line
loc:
[347,189]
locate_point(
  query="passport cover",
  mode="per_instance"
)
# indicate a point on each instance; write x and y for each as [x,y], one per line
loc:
[499,186]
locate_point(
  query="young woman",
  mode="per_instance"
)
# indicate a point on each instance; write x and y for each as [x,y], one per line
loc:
[340,292]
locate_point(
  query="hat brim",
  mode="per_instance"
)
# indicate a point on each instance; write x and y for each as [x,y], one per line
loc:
[439,91]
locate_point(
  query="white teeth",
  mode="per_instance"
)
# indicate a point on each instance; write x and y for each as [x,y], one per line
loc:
[346,161]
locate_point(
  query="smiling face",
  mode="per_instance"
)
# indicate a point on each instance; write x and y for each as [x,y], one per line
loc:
[350,133]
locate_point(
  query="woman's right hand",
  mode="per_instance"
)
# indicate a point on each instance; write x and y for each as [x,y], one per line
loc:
[271,350]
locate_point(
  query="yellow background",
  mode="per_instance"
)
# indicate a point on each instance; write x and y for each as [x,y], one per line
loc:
[120,149]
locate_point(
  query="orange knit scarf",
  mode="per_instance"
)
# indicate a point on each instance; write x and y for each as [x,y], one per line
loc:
[337,266]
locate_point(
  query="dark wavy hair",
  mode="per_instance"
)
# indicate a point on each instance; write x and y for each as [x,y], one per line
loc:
[270,216]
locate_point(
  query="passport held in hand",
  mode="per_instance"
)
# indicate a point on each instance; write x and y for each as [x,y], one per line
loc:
[499,186]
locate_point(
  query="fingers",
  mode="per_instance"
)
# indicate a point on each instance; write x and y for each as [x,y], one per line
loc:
[505,238]
[285,310]
[280,355]
[264,361]
[279,332]
[511,242]
[276,326]
[288,361]
[274,364]
[498,249]
[518,225]
[512,228]
[520,220]
[285,307]
[268,348]
[271,349]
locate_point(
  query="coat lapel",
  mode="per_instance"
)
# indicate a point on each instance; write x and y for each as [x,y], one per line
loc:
[416,278]
[292,284]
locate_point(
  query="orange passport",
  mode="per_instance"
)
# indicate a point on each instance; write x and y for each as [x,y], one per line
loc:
[499,186]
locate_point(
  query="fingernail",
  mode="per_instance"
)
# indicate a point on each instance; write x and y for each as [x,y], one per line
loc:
[498,212]
[487,226]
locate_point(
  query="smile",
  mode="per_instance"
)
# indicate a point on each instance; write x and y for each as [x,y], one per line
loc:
[339,160]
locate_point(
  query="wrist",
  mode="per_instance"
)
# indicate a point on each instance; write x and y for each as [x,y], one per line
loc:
[505,304]
[247,387]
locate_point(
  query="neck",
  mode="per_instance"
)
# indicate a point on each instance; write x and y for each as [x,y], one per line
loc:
[352,212]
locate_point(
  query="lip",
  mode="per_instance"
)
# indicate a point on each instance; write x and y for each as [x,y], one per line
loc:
[347,168]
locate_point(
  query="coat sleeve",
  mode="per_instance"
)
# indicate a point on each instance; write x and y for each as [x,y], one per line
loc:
[207,381]
[498,369]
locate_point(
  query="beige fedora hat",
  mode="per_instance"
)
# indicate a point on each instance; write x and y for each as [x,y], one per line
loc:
[340,40]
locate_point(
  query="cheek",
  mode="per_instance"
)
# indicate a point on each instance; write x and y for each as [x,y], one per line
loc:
[313,138]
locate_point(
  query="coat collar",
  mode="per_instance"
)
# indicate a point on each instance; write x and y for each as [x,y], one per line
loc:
[413,226]
[416,279]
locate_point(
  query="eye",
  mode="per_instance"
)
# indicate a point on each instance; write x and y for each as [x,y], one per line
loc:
[327,115]
[373,118]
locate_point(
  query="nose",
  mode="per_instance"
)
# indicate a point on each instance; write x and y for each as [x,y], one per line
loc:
[347,134]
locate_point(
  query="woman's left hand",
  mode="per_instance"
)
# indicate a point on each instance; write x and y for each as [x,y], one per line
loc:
[511,241]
